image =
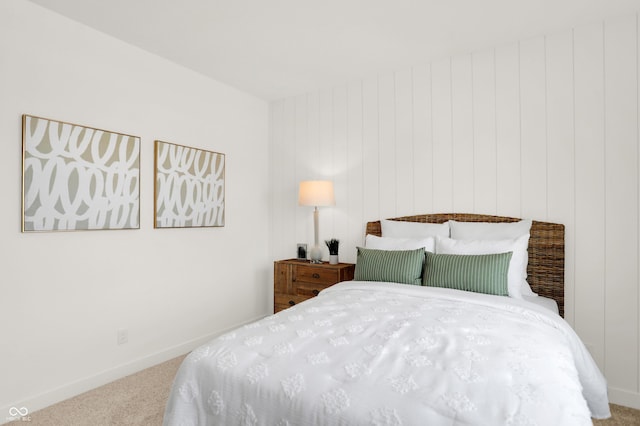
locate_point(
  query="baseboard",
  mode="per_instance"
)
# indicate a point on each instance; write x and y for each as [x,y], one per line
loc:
[69,390]
[624,397]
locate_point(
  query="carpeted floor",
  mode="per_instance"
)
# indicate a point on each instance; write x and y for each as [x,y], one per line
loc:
[139,400]
[135,400]
[621,416]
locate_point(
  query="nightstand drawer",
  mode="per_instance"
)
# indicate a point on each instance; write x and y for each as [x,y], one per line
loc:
[311,289]
[284,301]
[313,274]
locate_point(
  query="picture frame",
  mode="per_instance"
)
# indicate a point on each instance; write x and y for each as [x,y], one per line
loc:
[76,177]
[189,187]
[302,251]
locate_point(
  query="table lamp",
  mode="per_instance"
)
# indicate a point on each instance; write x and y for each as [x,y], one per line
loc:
[316,193]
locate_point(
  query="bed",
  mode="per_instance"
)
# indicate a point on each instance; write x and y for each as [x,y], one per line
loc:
[386,353]
[545,250]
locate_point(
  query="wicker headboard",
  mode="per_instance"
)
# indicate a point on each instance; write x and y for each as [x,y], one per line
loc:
[545,272]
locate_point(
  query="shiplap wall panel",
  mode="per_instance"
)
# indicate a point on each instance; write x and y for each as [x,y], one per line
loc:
[302,162]
[325,133]
[313,150]
[621,180]
[560,150]
[355,172]
[422,139]
[340,162]
[484,130]
[371,154]
[404,142]
[545,128]
[355,169]
[533,131]
[508,130]
[325,161]
[589,191]
[313,135]
[462,133]
[310,152]
[442,135]
[387,132]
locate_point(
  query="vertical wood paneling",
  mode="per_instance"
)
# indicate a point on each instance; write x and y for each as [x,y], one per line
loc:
[589,190]
[462,133]
[484,133]
[387,131]
[560,150]
[442,136]
[302,162]
[355,172]
[325,164]
[422,142]
[303,157]
[371,154]
[404,143]
[313,153]
[313,134]
[340,158]
[508,130]
[546,128]
[621,194]
[533,132]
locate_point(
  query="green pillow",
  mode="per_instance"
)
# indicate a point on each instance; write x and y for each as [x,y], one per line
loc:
[398,266]
[483,273]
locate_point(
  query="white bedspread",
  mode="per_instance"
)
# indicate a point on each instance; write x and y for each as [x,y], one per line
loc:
[391,354]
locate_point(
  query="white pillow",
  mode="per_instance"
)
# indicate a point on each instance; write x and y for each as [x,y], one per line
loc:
[517,265]
[488,230]
[399,229]
[386,243]
[495,231]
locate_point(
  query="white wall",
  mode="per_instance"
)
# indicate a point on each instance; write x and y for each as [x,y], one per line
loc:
[545,128]
[64,295]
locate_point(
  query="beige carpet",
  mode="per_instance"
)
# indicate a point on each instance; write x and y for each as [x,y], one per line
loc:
[139,400]
[621,416]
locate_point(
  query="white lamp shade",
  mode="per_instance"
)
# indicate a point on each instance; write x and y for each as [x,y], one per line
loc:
[316,193]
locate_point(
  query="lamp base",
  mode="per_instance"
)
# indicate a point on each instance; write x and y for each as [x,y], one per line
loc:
[315,254]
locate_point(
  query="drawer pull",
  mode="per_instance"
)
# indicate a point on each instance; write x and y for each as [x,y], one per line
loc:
[315,292]
[291,303]
[316,275]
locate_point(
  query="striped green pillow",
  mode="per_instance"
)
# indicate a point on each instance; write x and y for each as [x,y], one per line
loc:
[483,273]
[399,266]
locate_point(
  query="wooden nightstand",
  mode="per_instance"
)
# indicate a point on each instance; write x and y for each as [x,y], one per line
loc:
[297,280]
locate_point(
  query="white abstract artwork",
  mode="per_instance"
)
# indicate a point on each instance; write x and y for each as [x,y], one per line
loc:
[78,178]
[189,187]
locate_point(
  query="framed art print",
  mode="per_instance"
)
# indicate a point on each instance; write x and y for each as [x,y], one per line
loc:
[78,178]
[189,187]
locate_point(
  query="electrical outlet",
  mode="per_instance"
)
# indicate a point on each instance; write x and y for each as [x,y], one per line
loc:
[123,336]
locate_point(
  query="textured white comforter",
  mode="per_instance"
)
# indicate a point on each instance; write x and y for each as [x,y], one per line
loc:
[366,353]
